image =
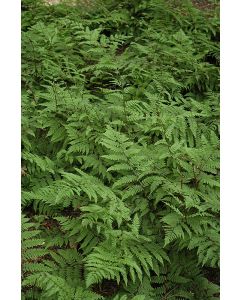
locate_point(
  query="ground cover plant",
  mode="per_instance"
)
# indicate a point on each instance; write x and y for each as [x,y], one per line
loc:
[120,150]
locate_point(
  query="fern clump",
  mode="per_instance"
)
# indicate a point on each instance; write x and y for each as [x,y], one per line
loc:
[120,150]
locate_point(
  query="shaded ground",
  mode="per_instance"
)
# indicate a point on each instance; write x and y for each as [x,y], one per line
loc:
[200,4]
[203,4]
[52,2]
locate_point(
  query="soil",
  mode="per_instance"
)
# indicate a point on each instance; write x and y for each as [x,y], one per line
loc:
[72,2]
[200,4]
[203,4]
[107,288]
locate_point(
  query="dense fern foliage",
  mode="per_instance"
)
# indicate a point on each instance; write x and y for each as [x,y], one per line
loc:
[120,150]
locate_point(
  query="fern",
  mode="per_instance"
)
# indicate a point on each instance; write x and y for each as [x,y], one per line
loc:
[120,150]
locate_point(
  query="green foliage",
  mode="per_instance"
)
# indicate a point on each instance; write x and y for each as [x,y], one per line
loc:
[120,150]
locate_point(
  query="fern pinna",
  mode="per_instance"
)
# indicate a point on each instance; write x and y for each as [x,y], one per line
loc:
[120,150]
